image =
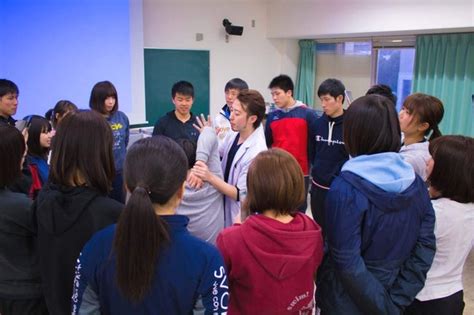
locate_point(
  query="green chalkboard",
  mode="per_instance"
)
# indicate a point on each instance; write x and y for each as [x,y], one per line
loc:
[163,68]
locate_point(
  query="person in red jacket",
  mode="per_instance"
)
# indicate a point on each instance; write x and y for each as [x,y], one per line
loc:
[272,257]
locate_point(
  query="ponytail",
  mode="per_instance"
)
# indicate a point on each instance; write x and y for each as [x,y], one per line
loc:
[435,133]
[154,171]
[427,109]
[139,237]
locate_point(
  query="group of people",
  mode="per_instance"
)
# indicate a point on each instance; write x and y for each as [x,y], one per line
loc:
[214,220]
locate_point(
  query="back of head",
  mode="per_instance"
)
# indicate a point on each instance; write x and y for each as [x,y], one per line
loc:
[182,87]
[38,125]
[426,109]
[332,87]
[7,87]
[283,82]
[384,90]
[82,152]
[237,84]
[61,108]
[100,92]
[49,114]
[154,172]
[13,143]
[254,104]
[453,170]
[189,148]
[274,182]
[371,126]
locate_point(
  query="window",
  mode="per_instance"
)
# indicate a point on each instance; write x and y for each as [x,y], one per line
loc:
[348,61]
[361,64]
[395,69]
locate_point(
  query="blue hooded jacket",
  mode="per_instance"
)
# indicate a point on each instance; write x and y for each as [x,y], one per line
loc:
[187,272]
[381,242]
[329,151]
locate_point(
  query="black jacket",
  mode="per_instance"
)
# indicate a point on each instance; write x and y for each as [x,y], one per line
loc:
[330,153]
[171,127]
[7,120]
[66,218]
[19,273]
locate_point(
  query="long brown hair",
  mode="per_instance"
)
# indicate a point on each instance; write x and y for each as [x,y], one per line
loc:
[155,168]
[83,146]
[426,109]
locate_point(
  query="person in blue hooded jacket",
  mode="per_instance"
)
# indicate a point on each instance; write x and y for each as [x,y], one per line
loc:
[380,222]
[149,263]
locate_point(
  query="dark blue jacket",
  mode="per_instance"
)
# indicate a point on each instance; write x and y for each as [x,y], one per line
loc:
[42,165]
[381,243]
[120,125]
[171,127]
[329,151]
[186,270]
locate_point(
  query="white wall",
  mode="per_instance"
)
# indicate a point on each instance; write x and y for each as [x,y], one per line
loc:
[271,47]
[252,57]
[346,18]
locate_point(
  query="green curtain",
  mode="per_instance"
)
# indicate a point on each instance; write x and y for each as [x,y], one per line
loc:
[304,89]
[444,67]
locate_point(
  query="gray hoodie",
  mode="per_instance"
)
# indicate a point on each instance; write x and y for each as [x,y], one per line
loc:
[205,206]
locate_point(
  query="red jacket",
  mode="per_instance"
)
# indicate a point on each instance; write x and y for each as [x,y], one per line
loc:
[271,265]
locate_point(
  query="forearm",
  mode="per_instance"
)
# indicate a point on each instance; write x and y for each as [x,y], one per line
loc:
[223,187]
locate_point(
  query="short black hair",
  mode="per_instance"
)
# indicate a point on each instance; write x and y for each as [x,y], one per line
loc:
[100,92]
[13,142]
[283,82]
[453,171]
[384,90]
[7,87]
[182,87]
[371,126]
[189,148]
[333,87]
[236,83]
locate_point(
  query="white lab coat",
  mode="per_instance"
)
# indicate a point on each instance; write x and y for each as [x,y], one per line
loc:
[239,168]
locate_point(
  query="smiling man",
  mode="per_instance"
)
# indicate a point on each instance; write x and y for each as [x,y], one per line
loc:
[8,101]
[330,153]
[178,123]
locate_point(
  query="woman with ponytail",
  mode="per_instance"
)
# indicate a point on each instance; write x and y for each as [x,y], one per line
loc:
[419,119]
[149,263]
